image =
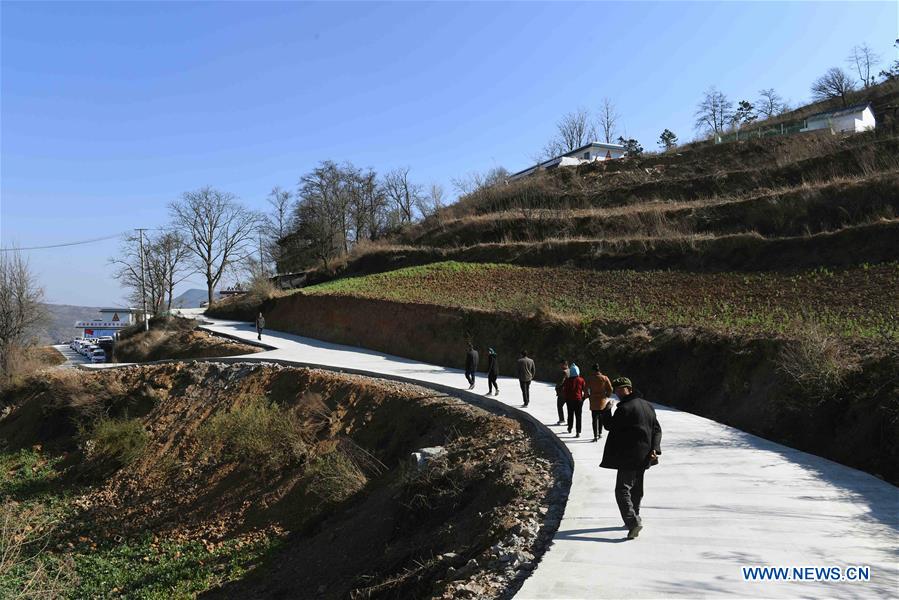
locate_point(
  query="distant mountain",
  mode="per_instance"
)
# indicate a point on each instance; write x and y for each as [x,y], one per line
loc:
[59,327]
[193,298]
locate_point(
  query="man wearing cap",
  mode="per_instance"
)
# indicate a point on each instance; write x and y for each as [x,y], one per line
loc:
[633,444]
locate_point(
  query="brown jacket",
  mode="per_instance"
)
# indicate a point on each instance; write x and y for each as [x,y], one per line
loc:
[599,388]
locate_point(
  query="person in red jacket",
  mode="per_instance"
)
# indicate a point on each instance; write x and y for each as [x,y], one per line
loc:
[573,389]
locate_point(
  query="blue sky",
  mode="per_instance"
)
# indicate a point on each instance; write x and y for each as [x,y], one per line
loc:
[109,111]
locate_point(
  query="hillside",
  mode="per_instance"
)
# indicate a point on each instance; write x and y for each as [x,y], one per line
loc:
[257,481]
[751,282]
[61,318]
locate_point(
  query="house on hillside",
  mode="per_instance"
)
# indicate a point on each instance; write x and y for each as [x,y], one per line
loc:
[592,152]
[853,119]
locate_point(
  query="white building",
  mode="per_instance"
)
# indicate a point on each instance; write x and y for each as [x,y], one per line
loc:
[853,119]
[111,321]
[592,152]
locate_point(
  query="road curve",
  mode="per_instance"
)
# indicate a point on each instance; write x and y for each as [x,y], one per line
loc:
[720,500]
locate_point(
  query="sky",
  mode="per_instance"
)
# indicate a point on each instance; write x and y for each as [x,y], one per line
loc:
[109,111]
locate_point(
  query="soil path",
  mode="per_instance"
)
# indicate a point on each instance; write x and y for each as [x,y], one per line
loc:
[720,500]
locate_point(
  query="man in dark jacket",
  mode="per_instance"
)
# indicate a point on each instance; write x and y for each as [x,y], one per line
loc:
[260,325]
[560,395]
[634,443]
[526,369]
[471,365]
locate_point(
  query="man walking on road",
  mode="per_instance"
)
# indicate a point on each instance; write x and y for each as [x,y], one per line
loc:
[599,388]
[492,372]
[573,388]
[633,445]
[526,370]
[471,365]
[260,325]
[560,394]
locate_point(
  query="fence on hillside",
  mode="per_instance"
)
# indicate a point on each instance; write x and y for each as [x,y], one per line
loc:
[747,133]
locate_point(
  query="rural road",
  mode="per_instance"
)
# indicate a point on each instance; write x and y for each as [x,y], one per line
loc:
[72,358]
[720,500]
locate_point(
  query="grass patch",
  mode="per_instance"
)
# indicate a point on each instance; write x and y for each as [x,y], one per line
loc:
[39,559]
[854,302]
[255,431]
[118,441]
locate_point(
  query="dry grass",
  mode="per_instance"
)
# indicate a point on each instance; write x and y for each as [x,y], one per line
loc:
[25,570]
[256,431]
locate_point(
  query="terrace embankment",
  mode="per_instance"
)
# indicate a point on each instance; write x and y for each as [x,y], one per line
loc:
[174,338]
[805,387]
[260,481]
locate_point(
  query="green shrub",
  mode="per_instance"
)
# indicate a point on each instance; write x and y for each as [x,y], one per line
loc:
[118,440]
[255,431]
[335,476]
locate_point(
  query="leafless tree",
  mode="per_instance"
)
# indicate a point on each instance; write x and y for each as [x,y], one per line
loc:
[573,130]
[402,193]
[714,112]
[836,83]
[166,263]
[21,306]
[320,214]
[218,231]
[475,181]
[863,59]
[770,104]
[431,204]
[608,120]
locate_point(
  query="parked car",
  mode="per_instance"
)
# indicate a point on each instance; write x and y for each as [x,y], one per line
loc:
[98,356]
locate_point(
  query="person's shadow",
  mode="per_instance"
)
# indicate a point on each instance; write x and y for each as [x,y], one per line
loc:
[580,534]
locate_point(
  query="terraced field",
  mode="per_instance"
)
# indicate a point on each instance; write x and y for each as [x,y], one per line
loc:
[853,302]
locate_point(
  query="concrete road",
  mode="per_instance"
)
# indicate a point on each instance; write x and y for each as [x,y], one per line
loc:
[73,359]
[720,501]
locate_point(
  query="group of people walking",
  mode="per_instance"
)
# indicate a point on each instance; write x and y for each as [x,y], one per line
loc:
[635,436]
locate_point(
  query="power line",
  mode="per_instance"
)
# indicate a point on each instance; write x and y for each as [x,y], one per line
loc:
[65,244]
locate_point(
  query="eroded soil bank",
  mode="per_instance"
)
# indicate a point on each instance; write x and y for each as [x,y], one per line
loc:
[255,480]
[738,380]
[174,338]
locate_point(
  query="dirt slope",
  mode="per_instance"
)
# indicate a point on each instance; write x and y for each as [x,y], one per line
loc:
[303,460]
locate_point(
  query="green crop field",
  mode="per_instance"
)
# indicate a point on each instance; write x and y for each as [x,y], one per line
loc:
[856,302]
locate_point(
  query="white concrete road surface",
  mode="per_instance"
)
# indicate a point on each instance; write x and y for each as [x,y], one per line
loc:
[719,501]
[73,359]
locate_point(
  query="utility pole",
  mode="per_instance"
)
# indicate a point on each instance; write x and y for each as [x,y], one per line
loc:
[143,292]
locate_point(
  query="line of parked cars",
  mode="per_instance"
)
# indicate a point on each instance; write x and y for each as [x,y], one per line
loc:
[90,348]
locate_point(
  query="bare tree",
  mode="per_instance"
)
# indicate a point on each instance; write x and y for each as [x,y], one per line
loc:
[217,230]
[431,204]
[402,193]
[714,112]
[608,120]
[770,104]
[165,263]
[320,213]
[21,306]
[836,83]
[863,59]
[475,182]
[275,225]
[573,130]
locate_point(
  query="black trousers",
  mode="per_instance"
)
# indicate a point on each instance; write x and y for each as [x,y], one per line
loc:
[628,494]
[469,375]
[525,391]
[575,408]
[560,406]
[597,423]
[491,382]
